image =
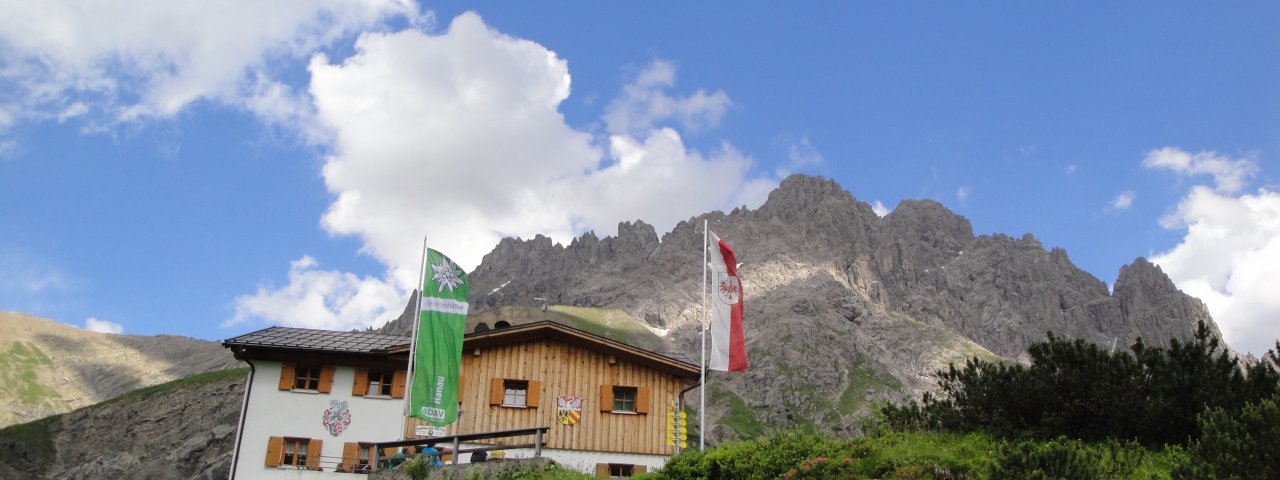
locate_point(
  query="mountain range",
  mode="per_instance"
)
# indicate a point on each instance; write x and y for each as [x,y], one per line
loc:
[845,310]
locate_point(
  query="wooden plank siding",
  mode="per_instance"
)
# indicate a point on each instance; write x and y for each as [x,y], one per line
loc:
[563,369]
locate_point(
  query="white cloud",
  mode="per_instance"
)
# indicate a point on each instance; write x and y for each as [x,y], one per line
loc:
[1230,259]
[102,326]
[880,209]
[458,137]
[25,276]
[800,154]
[134,59]
[1071,168]
[316,298]
[644,104]
[1229,174]
[962,193]
[1122,201]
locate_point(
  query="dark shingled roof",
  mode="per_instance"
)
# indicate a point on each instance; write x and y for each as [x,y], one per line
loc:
[318,340]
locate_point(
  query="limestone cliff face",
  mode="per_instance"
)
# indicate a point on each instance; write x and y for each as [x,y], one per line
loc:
[843,308]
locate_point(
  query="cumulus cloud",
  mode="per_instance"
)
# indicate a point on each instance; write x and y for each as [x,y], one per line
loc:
[458,137]
[133,59]
[318,298]
[1229,175]
[102,326]
[645,103]
[1229,257]
[1122,201]
[962,193]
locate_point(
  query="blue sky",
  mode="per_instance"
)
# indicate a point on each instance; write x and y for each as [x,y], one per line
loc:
[206,170]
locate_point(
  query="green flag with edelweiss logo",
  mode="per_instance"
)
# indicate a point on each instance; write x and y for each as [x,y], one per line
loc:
[437,358]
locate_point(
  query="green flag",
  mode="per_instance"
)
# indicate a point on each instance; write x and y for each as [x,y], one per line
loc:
[438,351]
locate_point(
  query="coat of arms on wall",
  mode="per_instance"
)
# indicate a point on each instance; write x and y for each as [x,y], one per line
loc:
[337,417]
[568,409]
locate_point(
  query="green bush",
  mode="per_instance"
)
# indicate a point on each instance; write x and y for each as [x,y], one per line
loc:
[1242,444]
[1057,459]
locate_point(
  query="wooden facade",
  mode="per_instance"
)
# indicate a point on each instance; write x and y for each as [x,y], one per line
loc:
[556,361]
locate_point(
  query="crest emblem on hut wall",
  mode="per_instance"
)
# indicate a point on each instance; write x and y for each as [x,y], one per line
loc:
[337,417]
[568,409]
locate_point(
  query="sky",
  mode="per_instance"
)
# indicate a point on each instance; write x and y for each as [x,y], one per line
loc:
[210,168]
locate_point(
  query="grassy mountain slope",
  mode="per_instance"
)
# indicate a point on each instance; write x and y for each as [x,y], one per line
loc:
[48,367]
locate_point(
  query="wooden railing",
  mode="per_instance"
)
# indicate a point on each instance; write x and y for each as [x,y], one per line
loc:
[454,442]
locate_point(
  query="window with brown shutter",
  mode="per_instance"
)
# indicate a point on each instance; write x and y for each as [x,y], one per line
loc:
[360,386]
[495,391]
[534,394]
[275,449]
[642,400]
[515,393]
[313,459]
[326,379]
[350,457]
[606,398]
[397,383]
[286,376]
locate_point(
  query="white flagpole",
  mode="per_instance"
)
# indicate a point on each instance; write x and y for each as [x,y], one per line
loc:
[702,389]
[413,345]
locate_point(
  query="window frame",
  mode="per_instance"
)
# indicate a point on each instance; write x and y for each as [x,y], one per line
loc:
[619,392]
[515,393]
[299,459]
[310,382]
[620,471]
[381,381]
[504,393]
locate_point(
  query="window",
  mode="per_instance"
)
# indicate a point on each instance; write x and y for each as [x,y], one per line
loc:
[380,383]
[620,471]
[356,457]
[514,393]
[306,378]
[294,452]
[624,399]
[616,470]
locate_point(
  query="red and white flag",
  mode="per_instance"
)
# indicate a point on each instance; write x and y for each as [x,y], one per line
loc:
[728,341]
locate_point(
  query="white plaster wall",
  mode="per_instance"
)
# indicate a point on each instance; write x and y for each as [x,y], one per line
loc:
[582,461]
[282,413]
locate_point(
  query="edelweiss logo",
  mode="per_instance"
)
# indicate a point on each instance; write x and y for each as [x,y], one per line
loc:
[446,275]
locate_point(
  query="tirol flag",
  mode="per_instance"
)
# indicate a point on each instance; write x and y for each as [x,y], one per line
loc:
[437,360]
[728,342]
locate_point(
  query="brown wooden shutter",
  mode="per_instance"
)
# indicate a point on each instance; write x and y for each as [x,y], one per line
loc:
[397,383]
[606,398]
[643,399]
[326,379]
[360,387]
[350,456]
[275,447]
[313,453]
[638,469]
[286,376]
[462,382]
[602,470]
[535,394]
[495,391]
